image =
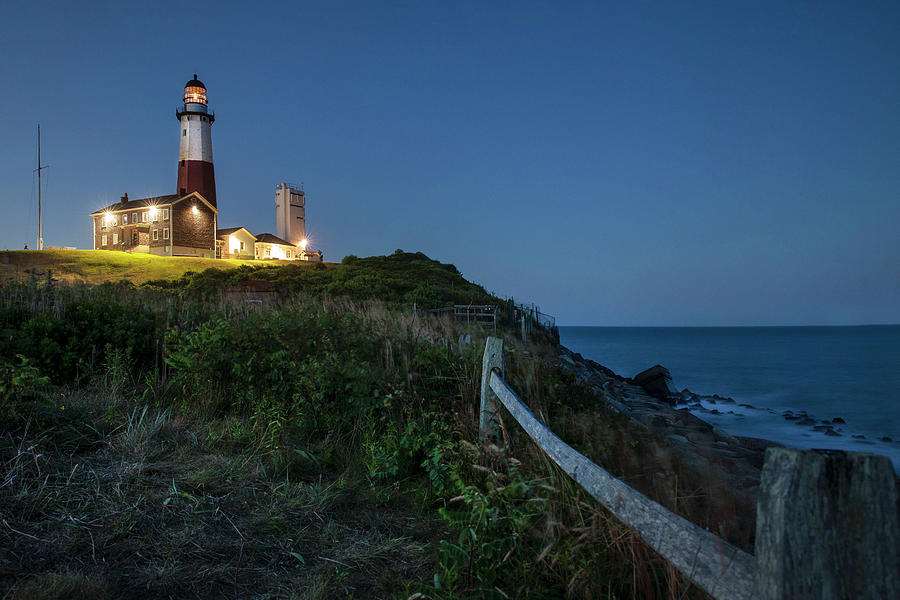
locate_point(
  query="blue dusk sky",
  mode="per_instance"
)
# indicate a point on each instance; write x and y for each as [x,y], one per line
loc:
[634,163]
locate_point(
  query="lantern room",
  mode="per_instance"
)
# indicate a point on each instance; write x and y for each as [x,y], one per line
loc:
[194,91]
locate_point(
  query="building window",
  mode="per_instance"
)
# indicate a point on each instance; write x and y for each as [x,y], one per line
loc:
[155,235]
[183,132]
[165,214]
[242,246]
[268,251]
[115,239]
[166,233]
[125,219]
[288,253]
[155,216]
[144,217]
[103,240]
[134,217]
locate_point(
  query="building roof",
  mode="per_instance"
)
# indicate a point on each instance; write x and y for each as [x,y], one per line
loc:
[268,238]
[125,204]
[195,83]
[224,233]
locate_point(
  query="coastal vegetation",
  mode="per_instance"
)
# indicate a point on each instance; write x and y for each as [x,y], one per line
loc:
[159,441]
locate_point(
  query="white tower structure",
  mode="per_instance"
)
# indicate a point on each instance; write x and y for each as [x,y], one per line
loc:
[290,213]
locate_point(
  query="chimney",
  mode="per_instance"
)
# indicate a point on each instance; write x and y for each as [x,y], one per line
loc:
[125,198]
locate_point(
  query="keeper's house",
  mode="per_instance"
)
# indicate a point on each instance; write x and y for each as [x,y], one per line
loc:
[235,242]
[272,246]
[166,226]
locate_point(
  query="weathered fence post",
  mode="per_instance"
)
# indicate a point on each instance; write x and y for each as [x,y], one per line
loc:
[492,359]
[827,526]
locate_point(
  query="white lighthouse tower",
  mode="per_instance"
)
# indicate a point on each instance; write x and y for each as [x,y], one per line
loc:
[195,158]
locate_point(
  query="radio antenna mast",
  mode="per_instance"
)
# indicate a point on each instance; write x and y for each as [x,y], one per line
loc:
[40,167]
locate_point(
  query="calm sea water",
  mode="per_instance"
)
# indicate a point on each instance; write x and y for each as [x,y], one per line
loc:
[847,372]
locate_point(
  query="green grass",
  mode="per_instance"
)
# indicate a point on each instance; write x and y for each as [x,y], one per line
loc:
[154,507]
[98,266]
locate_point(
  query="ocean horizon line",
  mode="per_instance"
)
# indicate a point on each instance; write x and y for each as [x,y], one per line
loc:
[735,326]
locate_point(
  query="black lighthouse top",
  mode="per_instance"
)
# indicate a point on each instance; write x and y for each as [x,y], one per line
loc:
[195,91]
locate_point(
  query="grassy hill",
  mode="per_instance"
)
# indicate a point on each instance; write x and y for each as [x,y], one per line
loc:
[98,266]
[157,442]
[402,277]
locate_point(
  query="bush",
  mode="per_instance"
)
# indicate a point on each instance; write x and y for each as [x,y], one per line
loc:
[69,347]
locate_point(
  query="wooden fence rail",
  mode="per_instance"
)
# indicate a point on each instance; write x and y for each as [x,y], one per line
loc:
[827,521]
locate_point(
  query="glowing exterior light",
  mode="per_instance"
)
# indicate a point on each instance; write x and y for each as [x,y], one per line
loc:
[109,218]
[303,243]
[234,245]
[153,212]
[194,209]
[278,252]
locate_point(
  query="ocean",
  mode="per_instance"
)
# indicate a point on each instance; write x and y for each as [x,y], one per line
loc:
[847,373]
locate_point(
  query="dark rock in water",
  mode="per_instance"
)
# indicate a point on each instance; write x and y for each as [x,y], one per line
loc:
[742,405]
[886,439]
[832,432]
[859,436]
[711,401]
[806,421]
[715,411]
[839,420]
[822,427]
[786,413]
[727,401]
[657,381]
[790,417]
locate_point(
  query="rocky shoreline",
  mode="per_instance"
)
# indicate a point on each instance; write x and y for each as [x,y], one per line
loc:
[705,451]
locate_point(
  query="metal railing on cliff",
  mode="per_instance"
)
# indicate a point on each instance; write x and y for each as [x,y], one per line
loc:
[826,527]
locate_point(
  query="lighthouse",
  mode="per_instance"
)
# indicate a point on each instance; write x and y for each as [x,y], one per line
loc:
[195,159]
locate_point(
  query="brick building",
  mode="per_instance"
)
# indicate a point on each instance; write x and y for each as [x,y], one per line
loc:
[165,225]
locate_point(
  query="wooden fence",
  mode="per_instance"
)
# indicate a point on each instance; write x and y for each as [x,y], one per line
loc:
[470,313]
[827,521]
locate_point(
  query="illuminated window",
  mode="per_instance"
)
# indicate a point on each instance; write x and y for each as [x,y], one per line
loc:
[268,251]
[115,238]
[103,240]
[134,217]
[155,235]
[166,233]
[144,217]
[125,219]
